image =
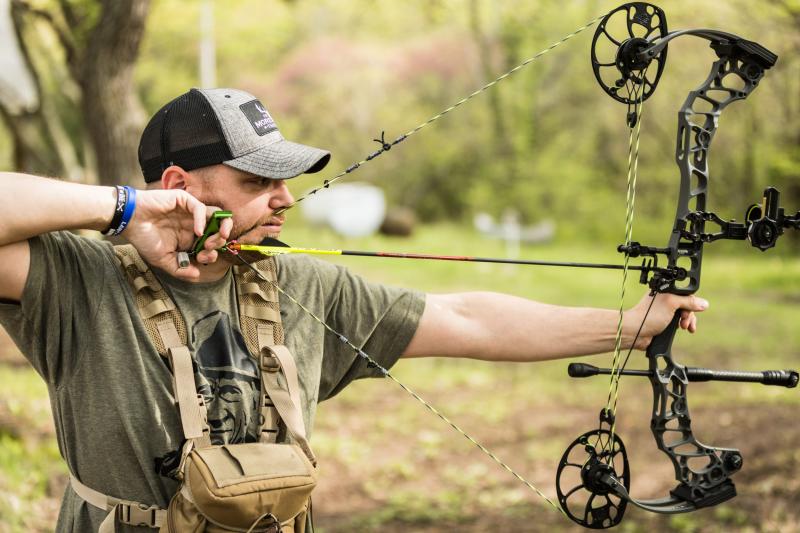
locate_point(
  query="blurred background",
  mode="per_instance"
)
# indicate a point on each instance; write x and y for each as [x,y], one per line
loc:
[533,168]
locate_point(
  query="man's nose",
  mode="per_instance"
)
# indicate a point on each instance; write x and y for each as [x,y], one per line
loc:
[282,196]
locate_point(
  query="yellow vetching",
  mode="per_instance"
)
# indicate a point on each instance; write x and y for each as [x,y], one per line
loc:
[278,250]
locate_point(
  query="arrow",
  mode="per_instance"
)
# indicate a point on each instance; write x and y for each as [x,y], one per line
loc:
[272,247]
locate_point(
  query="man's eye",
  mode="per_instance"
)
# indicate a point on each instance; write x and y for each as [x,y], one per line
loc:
[263,182]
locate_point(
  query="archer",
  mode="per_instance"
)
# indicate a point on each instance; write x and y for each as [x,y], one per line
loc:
[163,377]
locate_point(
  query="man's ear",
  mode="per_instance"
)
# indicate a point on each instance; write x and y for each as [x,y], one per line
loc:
[174,177]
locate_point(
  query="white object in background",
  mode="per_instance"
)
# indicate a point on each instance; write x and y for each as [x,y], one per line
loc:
[351,209]
[542,232]
[208,46]
[317,207]
[17,88]
[512,233]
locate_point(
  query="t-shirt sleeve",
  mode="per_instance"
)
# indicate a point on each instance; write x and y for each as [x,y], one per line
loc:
[379,319]
[61,296]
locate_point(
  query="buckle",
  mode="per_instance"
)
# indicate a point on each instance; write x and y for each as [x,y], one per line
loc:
[268,361]
[138,514]
[272,525]
[201,404]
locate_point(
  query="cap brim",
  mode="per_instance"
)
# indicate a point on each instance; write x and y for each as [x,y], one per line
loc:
[282,160]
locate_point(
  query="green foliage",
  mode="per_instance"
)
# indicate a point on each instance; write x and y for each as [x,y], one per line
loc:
[29,473]
[85,15]
[546,141]
[6,148]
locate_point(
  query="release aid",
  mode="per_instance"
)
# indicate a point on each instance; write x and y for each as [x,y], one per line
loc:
[212,227]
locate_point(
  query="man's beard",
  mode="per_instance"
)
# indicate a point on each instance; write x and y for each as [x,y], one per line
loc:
[238,233]
[242,235]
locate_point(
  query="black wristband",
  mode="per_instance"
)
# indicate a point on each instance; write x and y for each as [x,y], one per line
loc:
[119,210]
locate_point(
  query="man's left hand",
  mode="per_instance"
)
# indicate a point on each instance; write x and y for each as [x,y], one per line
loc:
[661,314]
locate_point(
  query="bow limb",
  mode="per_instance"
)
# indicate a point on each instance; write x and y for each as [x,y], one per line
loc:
[702,471]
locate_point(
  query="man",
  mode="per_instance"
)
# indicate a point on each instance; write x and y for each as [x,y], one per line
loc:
[72,313]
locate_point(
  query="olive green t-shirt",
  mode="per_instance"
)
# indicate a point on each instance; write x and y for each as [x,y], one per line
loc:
[116,421]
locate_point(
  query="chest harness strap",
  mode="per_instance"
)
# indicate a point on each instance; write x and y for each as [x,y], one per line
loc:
[260,323]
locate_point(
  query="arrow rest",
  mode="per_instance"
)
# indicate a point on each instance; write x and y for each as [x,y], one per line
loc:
[662,278]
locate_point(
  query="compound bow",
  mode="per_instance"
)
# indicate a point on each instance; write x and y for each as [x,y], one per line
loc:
[602,467]
[703,472]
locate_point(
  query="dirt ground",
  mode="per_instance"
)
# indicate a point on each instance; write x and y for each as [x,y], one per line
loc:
[396,482]
[768,486]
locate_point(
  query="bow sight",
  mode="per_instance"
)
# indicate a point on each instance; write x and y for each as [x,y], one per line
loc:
[629,52]
[764,223]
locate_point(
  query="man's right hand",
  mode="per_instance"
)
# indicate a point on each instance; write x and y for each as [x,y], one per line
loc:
[166,222]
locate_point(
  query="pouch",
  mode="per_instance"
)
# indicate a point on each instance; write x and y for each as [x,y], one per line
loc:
[259,487]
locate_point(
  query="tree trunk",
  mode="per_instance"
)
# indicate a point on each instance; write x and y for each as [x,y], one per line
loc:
[502,138]
[34,151]
[100,57]
[113,114]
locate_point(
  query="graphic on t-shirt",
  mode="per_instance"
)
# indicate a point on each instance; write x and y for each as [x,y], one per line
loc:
[228,379]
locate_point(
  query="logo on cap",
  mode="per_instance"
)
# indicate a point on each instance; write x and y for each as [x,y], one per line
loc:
[258,117]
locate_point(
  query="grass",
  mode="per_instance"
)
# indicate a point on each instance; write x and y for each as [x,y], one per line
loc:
[388,463]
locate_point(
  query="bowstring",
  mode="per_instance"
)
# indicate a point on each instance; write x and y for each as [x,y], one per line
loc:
[371,363]
[386,146]
[636,94]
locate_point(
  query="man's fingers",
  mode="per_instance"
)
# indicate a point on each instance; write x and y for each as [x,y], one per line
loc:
[688,304]
[688,321]
[225,228]
[215,241]
[220,239]
[207,256]
[694,303]
[198,211]
[190,273]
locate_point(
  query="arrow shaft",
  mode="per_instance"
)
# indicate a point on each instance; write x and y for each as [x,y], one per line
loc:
[279,250]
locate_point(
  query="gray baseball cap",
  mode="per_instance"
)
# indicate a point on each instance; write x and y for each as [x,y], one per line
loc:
[206,127]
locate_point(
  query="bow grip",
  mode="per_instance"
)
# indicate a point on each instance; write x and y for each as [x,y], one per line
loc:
[662,343]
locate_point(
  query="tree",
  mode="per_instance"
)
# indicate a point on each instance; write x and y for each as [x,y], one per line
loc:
[86,114]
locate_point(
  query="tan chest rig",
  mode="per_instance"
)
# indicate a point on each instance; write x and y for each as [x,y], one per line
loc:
[262,486]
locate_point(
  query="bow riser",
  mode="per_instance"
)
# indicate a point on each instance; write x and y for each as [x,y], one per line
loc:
[702,471]
[692,147]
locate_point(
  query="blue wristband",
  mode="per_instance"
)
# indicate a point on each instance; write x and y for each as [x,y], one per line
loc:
[119,209]
[130,207]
